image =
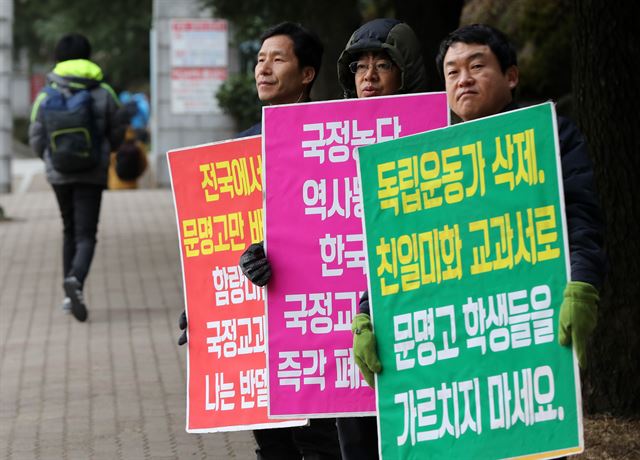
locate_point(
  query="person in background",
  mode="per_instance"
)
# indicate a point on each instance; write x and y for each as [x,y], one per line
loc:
[78,192]
[140,119]
[288,63]
[128,163]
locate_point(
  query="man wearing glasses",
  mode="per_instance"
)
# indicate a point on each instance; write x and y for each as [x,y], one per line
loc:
[381,58]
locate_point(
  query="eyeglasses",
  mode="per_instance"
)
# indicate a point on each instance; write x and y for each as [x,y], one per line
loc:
[360,68]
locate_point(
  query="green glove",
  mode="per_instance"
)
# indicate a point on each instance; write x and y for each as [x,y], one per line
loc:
[364,348]
[578,317]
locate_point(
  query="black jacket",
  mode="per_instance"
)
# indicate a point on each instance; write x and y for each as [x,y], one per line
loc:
[584,219]
[253,131]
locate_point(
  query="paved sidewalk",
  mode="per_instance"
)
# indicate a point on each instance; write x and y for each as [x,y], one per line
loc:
[114,387]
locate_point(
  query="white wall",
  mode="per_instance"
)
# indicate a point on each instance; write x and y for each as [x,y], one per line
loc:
[168,130]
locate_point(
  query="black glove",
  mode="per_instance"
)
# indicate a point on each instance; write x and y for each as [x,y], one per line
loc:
[254,264]
[363,307]
[182,323]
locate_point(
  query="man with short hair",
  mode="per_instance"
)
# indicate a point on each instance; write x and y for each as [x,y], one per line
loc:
[288,63]
[481,74]
[480,70]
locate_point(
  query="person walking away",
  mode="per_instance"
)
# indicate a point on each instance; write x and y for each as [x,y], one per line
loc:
[288,63]
[75,123]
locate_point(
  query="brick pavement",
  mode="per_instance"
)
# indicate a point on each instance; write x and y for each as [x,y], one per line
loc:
[114,387]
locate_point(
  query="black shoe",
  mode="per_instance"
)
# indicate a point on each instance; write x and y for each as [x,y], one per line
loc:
[73,289]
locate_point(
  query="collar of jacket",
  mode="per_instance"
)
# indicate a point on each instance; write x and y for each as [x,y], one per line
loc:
[79,68]
[507,108]
[398,40]
[510,106]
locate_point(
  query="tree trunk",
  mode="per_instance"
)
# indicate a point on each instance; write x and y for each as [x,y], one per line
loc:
[334,30]
[606,95]
[431,21]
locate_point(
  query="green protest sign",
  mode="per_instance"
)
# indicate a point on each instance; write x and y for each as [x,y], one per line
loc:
[468,260]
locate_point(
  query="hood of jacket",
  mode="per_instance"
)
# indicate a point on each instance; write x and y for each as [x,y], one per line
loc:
[76,74]
[398,40]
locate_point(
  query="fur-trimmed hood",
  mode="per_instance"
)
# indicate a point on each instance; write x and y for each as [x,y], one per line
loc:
[398,40]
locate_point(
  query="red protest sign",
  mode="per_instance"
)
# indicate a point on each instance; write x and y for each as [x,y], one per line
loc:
[217,191]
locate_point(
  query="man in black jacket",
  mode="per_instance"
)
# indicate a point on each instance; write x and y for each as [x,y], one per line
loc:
[481,73]
[287,65]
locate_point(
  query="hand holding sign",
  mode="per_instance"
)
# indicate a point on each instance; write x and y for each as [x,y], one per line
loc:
[254,264]
[364,348]
[578,317]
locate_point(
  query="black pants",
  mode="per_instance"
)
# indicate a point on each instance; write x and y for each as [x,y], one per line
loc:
[317,441]
[80,209]
[358,438]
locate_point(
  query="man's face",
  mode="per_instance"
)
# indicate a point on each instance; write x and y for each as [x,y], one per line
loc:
[279,79]
[476,86]
[377,75]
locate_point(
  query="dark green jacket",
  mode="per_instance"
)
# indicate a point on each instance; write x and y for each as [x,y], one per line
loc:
[398,40]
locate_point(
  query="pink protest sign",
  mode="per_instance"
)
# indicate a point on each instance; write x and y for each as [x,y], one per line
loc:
[314,241]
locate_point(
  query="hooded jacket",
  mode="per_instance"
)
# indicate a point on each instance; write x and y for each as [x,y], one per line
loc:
[110,121]
[400,43]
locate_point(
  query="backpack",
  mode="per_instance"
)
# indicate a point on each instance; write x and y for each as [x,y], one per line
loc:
[70,126]
[128,164]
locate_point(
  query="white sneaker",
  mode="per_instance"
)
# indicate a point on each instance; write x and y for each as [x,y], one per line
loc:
[66,306]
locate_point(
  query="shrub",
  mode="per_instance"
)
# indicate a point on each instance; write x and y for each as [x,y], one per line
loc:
[238,98]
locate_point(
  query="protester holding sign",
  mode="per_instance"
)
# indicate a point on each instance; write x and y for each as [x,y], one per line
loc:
[381,58]
[287,65]
[473,233]
[481,73]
